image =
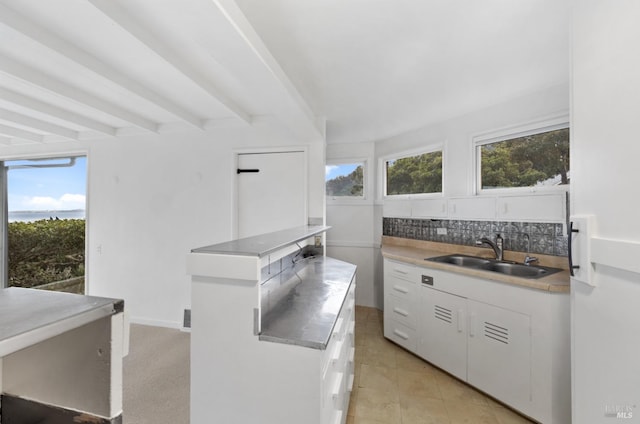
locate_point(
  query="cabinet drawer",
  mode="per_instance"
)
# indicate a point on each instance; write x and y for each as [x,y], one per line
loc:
[401,310]
[400,288]
[400,334]
[401,270]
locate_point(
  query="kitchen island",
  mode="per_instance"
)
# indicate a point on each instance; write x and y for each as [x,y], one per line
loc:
[60,357]
[272,331]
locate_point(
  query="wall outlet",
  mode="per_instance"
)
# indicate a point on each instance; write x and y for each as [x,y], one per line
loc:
[318,241]
[441,231]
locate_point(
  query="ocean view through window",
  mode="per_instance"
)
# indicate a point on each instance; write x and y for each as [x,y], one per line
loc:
[45,223]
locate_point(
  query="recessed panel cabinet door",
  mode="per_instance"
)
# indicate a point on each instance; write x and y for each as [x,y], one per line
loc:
[500,353]
[271,192]
[444,337]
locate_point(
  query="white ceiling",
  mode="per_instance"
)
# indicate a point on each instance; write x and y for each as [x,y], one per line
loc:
[78,69]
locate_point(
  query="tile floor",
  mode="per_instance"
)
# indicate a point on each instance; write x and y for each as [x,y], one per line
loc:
[393,386]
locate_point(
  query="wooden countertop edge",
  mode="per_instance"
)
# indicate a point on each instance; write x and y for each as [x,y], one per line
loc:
[416,253]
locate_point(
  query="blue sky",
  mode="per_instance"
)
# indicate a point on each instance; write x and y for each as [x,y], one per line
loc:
[47,188]
[332,171]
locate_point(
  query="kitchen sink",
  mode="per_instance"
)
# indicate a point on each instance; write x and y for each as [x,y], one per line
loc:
[462,260]
[501,267]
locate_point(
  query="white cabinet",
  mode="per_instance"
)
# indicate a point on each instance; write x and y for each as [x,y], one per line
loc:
[509,341]
[401,303]
[443,340]
[499,353]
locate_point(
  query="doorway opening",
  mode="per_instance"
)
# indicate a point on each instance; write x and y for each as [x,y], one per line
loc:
[43,223]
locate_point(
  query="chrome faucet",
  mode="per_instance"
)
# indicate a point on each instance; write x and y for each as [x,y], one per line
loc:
[496,246]
[528,260]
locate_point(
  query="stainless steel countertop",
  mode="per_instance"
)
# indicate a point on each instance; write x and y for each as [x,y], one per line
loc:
[264,243]
[301,305]
[28,316]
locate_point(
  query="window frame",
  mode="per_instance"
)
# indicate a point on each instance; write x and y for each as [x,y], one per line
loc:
[4,210]
[432,148]
[366,184]
[537,127]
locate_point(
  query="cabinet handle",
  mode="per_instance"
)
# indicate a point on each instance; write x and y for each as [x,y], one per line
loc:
[338,328]
[351,378]
[399,271]
[400,289]
[460,320]
[472,325]
[352,328]
[570,253]
[401,334]
[401,312]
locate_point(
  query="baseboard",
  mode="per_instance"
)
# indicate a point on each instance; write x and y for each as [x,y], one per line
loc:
[155,323]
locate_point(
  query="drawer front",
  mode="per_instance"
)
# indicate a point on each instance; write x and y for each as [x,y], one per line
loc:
[403,289]
[400,334]
[401,270]
[403,311]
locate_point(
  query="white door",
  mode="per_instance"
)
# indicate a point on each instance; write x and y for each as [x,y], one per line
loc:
[271,192]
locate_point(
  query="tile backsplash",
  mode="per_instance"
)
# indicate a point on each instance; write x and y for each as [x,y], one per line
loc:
[533,237]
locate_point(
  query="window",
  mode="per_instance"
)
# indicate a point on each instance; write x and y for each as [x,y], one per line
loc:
[44,228]
[536,160]
[419,174]
[345,180]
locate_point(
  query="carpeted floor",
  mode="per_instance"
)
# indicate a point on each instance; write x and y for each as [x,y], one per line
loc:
[156,376]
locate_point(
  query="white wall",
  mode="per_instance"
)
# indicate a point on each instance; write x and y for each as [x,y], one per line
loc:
[605,152]
[152,198]
[352,237]
[355,227]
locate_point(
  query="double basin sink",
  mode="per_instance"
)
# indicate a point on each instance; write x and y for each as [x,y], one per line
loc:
[501,267]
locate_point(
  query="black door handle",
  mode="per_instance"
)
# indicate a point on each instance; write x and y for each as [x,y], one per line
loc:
[242,171]
[570,254]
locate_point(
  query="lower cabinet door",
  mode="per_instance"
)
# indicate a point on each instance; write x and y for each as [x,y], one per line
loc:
[444,338]
[500,353]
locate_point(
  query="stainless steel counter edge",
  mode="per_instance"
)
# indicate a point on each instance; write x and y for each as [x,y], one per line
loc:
[263,244]
[307,313]
[26,323]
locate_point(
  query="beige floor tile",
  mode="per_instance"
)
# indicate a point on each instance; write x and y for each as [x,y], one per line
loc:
[507,416]
[375,315]
[370,421]
[353,402]
[454,390]
[408,361]
[419,383]
[470,413]
[377,405]
[362,312]
[374,355]
[416,409]
[372,328]
[379,378]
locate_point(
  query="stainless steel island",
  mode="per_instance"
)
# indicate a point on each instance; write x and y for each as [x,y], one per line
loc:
[60,357]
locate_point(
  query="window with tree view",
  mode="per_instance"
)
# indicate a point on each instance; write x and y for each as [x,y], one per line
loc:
[417,174]
[537,160]
[345,180]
